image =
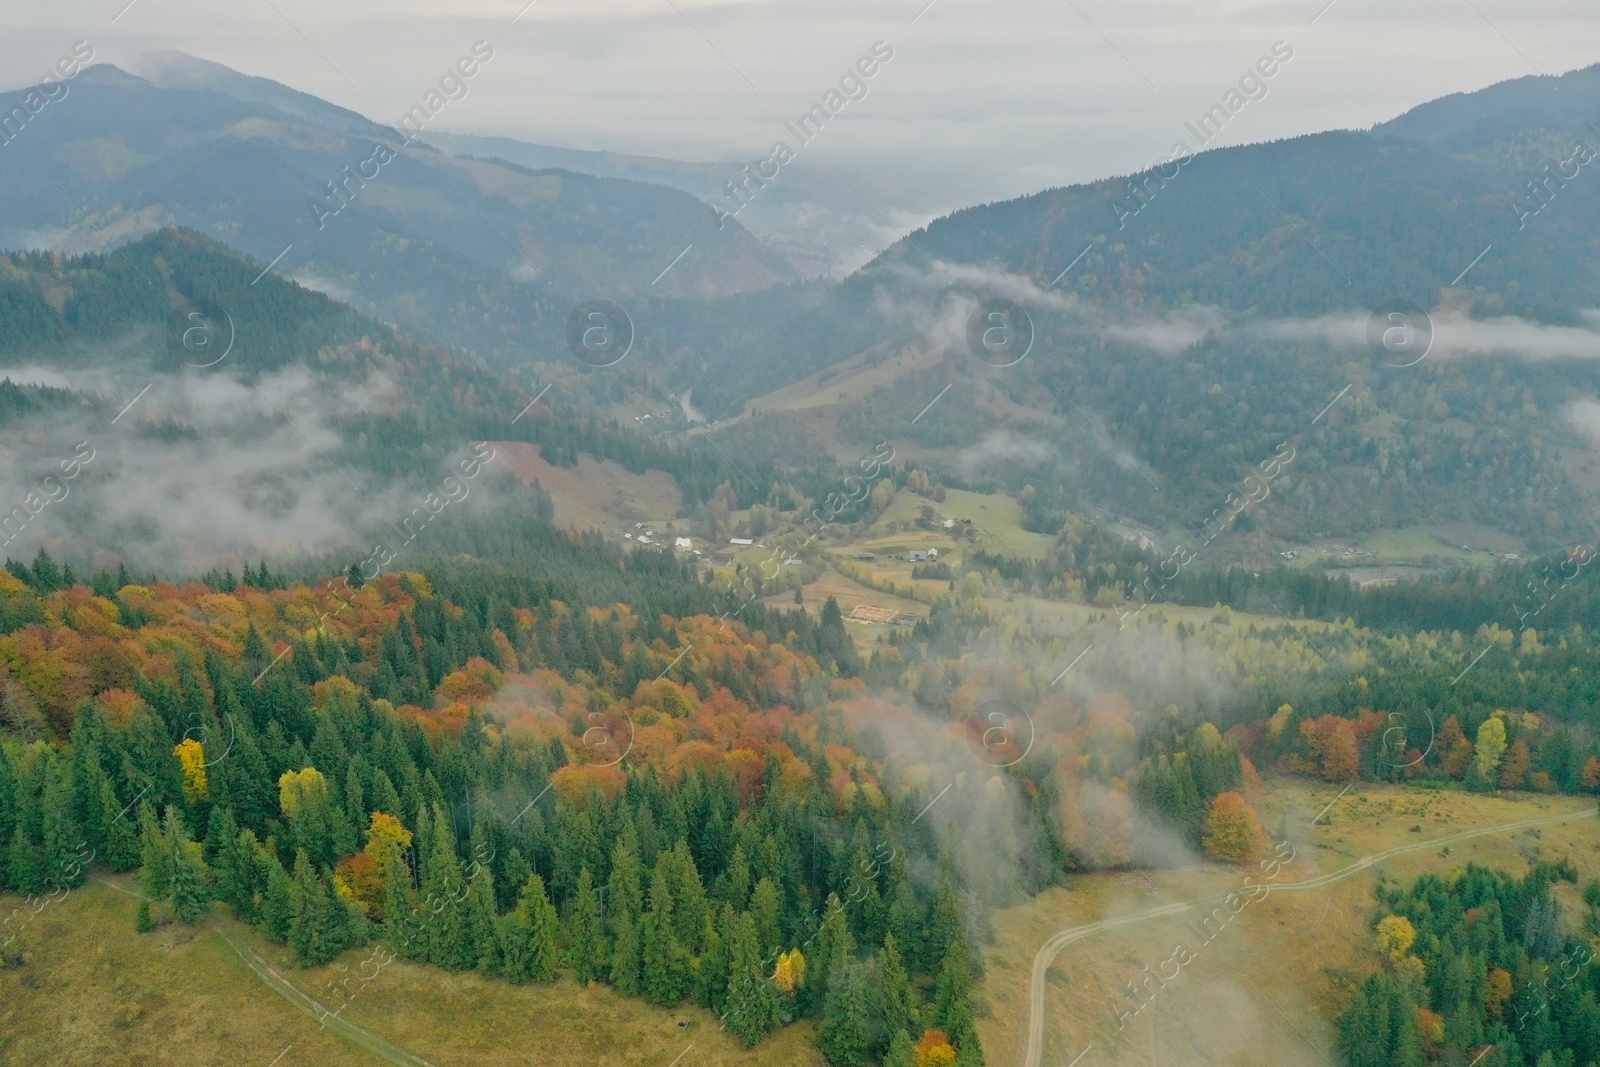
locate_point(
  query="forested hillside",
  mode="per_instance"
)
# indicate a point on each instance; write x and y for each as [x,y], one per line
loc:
[1479,965]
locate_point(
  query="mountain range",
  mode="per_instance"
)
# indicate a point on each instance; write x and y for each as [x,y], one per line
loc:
[1234,286]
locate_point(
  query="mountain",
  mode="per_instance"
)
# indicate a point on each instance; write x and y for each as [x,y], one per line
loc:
[826,220]
[484,254]
[1182,332]
[230,413]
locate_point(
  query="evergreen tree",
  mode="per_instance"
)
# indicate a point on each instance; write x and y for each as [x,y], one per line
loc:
[142,920]
[843,1035]
[191,888]
[315,924]
[528,933]
[585,935]
[26,872]
[752,1002]
[666,962]
[122,851]
[711,969]
[902,1053]
[278,905]
[445,938]
[896,1000]
[402,924]
[952,1008]
[624,908]
[155,856]
[482,929]
[764,908]
[834,946]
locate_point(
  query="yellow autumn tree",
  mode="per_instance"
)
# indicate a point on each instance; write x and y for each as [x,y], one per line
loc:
[1498,991]
[192,755]
[297,789]
[386,830]
[1233,833]
[1396,935]
[790,973]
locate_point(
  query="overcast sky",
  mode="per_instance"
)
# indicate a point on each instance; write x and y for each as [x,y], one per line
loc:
[1002,96]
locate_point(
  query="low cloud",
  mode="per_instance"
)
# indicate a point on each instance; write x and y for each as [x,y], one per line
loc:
[1455,334]
[998,448]
[1584,415]
[944,296]
[1169,334]
[204,470]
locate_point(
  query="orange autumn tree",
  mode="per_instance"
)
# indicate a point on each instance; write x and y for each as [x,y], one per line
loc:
[934,1050]
[1233,832]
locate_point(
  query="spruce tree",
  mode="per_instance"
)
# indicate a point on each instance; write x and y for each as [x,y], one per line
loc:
[278,904]
[624,910]
[834,946]
[121,841]
[902,1053]
[142,920]
[843,1035]
[155,856]
[896,1000]
[191,891]
[584,933]
[529,936]
[26,873]
[446,940]
[711,969]
[666,961]
[969,1052]
[764,908]
[312,937]
[751,1006]
[402,924]
[482,929]
[952,1007]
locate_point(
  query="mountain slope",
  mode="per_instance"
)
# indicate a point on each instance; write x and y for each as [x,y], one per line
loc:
[445,245]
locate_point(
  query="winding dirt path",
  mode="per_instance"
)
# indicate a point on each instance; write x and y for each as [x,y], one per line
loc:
[358,1035]
[1062,938]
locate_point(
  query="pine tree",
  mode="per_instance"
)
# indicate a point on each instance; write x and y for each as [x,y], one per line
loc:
[313,935]
[733,888]
[190,879]
[834,946]
[896,1000]
[517,871]
[402,925]
[482,929]
[764,908]
[155,856]
[969,1051]
[121,841]
[584,933]
[711,969]
[142,921]
[445,939]
[752,1001]
[278,904]
[843,1034]
[26,873]
[666,961]
[529,935]
[952,1008]
[624,908]
[901,1052]
[625,962]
